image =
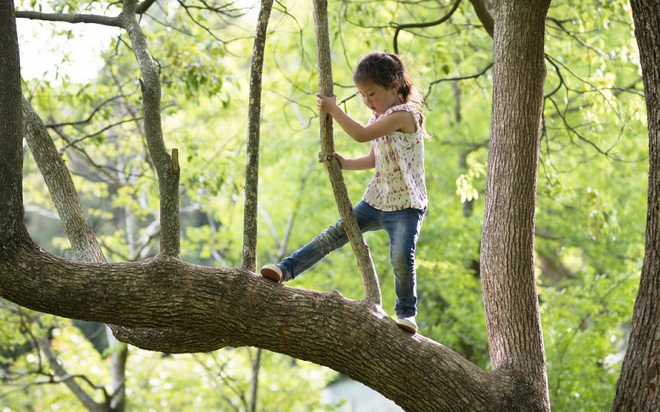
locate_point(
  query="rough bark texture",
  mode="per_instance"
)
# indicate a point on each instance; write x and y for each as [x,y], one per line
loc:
[638,388]
[11,158]
[62,190]
[249,259]
[166,166]
[177,301]
[349,222]
[507,252]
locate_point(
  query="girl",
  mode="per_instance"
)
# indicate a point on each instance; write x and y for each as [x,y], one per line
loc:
[395,199]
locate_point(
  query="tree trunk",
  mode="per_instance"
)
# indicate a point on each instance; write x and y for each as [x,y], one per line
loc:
[11,157]
[507,251]
[638,388]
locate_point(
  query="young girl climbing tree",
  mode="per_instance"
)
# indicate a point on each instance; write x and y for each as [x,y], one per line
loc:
[395,199]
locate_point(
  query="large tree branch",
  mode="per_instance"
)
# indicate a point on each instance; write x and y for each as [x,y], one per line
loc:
[61,187]
[177,302]
[507,248]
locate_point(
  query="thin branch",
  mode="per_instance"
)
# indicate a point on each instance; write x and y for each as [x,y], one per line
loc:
[484,16]
[95,110]
[69,18]
[405,26]
[459,78]
[144,6]
[350,225]
[250,220]
[560,25]
[105,129]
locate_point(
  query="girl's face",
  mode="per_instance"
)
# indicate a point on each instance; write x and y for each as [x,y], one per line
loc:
[377,97]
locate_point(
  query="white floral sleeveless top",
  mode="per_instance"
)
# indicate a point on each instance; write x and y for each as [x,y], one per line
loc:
[399,181]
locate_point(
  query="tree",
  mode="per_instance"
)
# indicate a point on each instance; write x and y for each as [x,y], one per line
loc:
[350,335]
[637,388]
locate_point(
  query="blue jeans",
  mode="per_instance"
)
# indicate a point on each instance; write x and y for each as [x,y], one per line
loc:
[402,227]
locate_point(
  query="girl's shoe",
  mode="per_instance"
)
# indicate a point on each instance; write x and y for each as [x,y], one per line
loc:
[408,324]
[272,272]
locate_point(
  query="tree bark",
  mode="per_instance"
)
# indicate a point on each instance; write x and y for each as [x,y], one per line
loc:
[167,167]
[250,215]
[507,251]
[62,190]
[638,388]
[11,158]
[349,222]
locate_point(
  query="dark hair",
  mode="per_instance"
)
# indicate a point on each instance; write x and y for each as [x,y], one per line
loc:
[384,69]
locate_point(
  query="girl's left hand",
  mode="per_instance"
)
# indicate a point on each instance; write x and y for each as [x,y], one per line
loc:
[326,104]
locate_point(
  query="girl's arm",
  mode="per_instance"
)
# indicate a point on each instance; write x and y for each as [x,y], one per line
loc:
[400,120]
[358,163]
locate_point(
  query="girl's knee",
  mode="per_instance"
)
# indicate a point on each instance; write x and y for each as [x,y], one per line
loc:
[403,264]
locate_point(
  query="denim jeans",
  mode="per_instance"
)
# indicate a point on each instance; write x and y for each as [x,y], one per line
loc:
[402,227]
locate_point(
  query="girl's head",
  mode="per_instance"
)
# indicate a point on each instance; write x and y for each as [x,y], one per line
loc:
[388,71]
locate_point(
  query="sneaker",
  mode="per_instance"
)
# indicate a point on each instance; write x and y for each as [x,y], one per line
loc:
[407,324]
[272,272]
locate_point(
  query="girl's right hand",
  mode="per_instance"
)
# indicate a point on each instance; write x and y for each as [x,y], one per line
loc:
[342,160]
[326,104]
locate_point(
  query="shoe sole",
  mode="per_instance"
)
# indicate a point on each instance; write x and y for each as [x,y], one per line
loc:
[270,274]
[407,328]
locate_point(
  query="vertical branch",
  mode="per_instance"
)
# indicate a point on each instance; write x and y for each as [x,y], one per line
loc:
[11,150]
[167,167]
[250,214]
[251,208]
[349,222]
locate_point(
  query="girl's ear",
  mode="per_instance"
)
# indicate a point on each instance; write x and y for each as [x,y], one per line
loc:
[396,86]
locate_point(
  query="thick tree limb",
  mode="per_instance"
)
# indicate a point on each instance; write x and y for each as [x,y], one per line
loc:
[639,387]
[176,302]
[349,222]
[507,248]
[11,157]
